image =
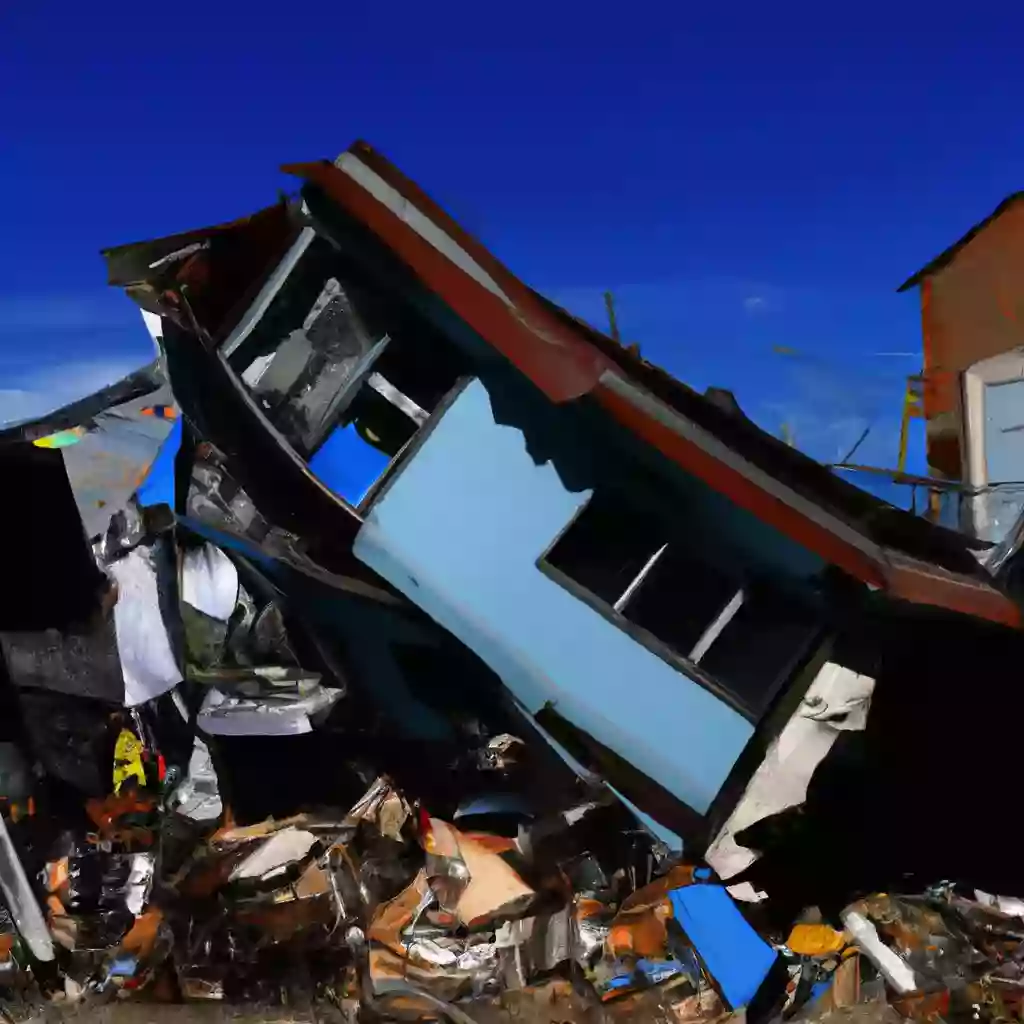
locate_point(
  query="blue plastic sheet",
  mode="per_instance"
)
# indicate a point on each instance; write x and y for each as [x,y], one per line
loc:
[347,464]
[158,487]
[737,957]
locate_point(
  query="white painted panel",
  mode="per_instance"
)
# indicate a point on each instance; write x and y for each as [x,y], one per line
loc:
[384,193]
[837,700]
[1004,431]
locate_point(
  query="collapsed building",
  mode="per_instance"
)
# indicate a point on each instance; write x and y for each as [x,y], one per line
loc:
[420,530]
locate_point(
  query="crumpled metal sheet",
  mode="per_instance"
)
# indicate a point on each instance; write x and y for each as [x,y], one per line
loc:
[144,381]
[198,795]
[112,459]
[222,715]
[21,901]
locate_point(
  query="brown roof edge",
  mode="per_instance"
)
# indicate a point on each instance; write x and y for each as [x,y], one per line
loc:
[131,262]
[566,359]
[412,191]
[948,255]
[514,322]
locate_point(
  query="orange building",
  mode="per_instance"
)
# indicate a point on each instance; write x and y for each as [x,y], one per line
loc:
[972,320]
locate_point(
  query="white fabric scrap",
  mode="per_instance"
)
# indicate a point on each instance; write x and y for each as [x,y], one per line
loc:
[1009,905]
[198,796]
[209,581]
[838,699]
[896,971]
[288,846]
[431,952]
[746,893]
[140,880]
[143,644]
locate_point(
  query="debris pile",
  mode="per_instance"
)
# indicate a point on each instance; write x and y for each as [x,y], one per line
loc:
[127,877]
[140,882]
[277,732]
[200,805]
[938,955]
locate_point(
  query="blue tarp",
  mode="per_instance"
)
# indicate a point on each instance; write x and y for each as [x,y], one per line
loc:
[737,957]
[158,487]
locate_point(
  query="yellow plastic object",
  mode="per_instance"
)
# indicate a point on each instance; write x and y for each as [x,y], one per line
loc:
[128,760]
[62,439]
[815,940]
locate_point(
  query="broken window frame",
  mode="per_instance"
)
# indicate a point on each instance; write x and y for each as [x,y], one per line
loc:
[363,374]
[270,288]
[688,664]
[392,470]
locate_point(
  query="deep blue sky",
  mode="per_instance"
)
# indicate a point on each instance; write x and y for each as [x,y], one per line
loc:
[758,175]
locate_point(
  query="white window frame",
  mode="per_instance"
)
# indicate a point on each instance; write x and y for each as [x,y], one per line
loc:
[1005,368]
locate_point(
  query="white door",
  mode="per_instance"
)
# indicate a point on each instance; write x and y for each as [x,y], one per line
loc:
[994,429]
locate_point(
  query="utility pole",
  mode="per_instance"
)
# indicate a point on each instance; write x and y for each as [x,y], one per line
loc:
[613,323]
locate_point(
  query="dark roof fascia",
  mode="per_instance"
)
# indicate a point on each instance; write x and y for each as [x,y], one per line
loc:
[948,255]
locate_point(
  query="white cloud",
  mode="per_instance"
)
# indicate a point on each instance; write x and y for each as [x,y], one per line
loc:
[36,330]
[755,303]
[37,392]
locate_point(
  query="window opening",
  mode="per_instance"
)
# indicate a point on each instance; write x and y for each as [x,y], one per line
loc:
[347,374]
[664,586]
